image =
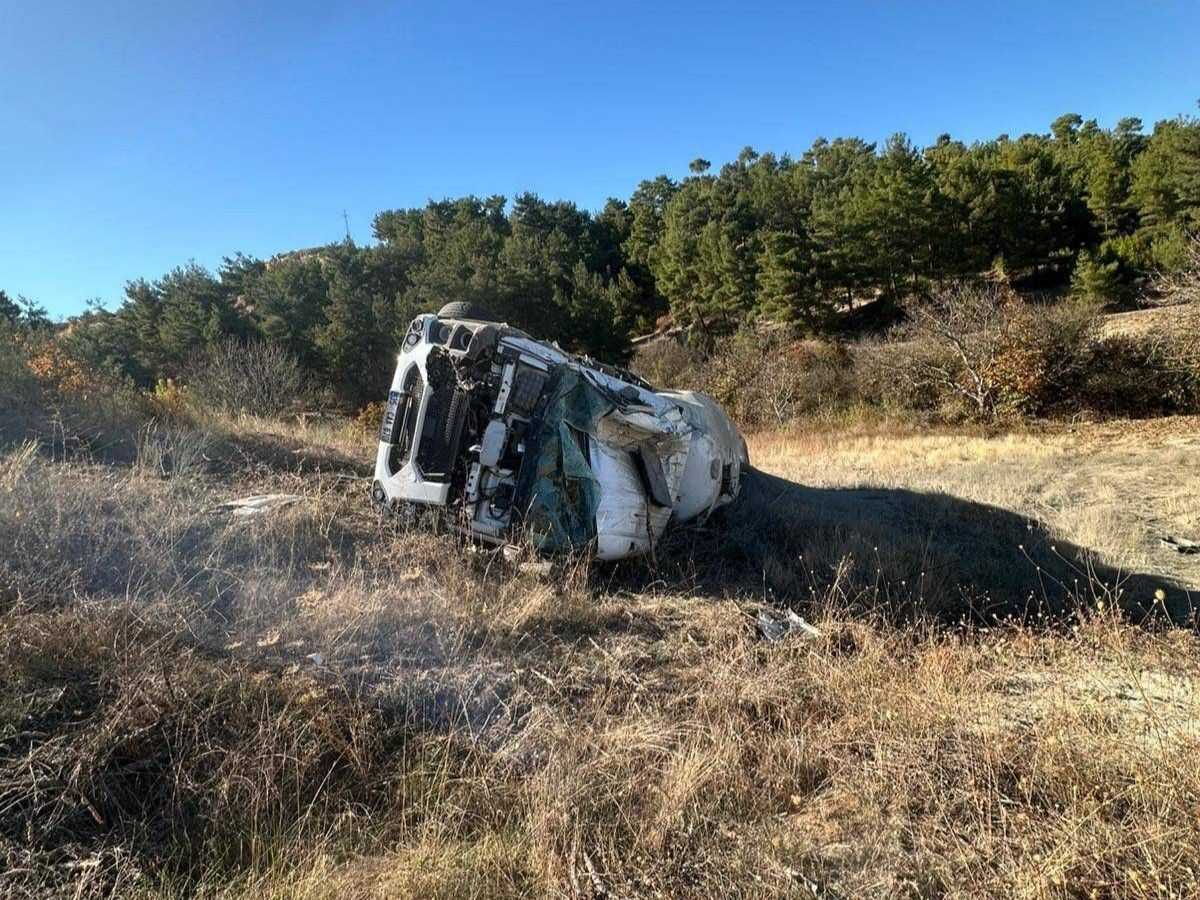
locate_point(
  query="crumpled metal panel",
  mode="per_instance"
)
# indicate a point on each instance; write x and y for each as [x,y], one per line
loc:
[559,495]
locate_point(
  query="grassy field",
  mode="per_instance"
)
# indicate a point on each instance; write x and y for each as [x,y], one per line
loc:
[1112,490]
[314,703]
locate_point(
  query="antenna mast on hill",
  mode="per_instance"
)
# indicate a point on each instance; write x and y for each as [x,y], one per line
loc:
[346,219]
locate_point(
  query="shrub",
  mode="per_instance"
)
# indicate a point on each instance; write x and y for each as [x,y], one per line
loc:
[885,376]
[668,362]
[1158,373]
[169,402]
[958,334]
[767,378]
[19,390]
[171,451]
[1181,283]
[1044,358]
[48,392]
[256,378]
[370,416]
[1137,376]
[969,351]
[991,353]
[56,370]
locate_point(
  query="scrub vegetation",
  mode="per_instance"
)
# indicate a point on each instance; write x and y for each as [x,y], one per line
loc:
[968,353]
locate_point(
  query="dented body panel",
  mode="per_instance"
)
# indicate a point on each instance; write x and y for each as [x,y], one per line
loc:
[523,441]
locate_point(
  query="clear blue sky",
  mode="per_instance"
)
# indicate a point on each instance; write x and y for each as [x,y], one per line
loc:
[135,136]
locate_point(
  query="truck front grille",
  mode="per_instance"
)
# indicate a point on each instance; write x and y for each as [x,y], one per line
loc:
[444,417]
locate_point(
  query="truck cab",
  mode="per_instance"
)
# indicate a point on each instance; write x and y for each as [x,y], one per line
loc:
[521,441]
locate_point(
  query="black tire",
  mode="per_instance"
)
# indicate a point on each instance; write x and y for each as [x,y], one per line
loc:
[461,309]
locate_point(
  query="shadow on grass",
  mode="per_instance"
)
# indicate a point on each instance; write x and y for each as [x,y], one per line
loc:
[242,453]
[222,449]
[899,552]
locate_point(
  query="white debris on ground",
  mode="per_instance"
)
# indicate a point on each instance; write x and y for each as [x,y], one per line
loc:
[775,629]
[1180,545]
[262,503]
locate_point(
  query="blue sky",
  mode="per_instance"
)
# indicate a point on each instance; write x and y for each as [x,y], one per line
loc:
[135,136]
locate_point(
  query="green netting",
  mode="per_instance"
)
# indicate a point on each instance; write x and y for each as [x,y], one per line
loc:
[558,492]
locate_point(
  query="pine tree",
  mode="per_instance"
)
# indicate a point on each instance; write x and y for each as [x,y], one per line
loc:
[785,282]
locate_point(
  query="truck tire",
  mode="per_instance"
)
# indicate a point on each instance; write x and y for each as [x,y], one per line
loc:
[461,309]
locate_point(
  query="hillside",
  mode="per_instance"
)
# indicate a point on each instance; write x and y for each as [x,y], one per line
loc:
[315,703]
[1156,320]
[830,239]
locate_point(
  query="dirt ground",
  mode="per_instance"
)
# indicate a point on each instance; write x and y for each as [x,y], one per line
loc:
[1142,322]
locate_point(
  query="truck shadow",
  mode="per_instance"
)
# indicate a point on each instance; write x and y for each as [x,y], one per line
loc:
[901,553]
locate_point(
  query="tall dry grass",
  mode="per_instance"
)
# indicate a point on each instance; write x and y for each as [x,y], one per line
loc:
[317,703]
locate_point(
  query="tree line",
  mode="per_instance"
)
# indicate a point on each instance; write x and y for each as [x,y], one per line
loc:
[797,239]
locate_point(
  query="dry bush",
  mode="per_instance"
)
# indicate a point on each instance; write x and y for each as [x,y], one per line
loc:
[71,405]
[1181,285]
[20,394]
[1180,348]
[1041,367]
[969,352]
[370,416]
[1144,375]
[887,376]
[668,362]
[1156,372]
[56,369]
[168,402]
[767,379]
[763,377]
[258,378]
[970,345]
[989,355]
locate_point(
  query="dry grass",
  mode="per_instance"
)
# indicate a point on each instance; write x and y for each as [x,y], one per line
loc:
[1148,322]
[1113,489]
[318,704]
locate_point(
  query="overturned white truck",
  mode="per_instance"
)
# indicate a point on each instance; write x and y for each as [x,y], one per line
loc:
[520,440]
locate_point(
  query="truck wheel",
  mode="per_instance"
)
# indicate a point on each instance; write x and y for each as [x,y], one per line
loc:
[461,309]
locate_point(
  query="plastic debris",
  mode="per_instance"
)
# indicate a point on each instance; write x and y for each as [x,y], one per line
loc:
[791,625]
[256,506]
[1180,545]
